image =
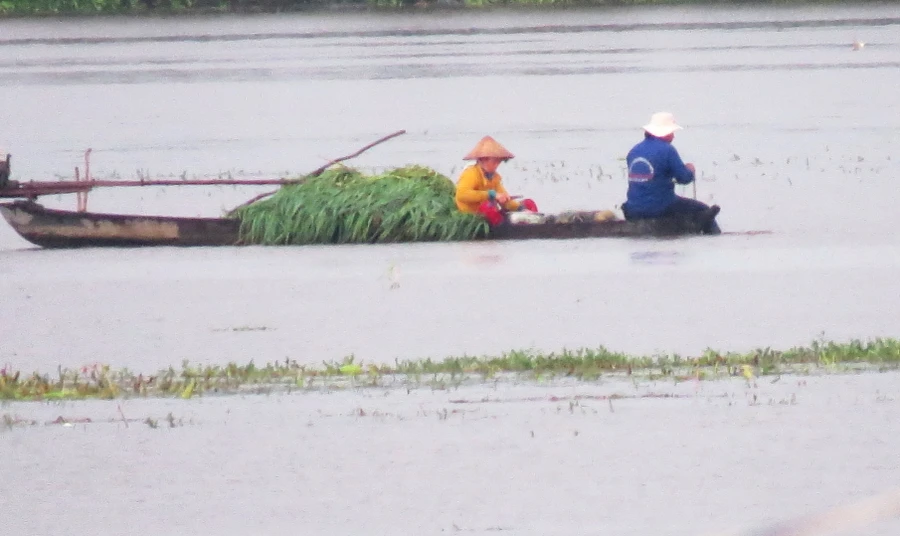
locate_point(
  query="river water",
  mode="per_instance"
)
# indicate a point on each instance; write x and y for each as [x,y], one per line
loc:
[550,459]
[793,132]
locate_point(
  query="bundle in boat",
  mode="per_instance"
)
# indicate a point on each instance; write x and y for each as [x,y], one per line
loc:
[343,206]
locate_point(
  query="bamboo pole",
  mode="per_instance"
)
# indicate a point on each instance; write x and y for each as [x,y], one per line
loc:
[323,168]
[82,202]
[90,184]
[79,196]
[34,189]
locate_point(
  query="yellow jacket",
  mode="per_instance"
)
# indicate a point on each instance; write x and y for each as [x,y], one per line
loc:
[473,189]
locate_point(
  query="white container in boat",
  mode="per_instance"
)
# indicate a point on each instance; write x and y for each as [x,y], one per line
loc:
[525,217]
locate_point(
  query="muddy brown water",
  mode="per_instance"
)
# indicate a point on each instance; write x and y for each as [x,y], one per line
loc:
[792,131]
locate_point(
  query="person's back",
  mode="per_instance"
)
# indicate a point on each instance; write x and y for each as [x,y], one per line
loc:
[652,164]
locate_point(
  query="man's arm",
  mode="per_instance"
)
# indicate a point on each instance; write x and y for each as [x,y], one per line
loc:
[683,173]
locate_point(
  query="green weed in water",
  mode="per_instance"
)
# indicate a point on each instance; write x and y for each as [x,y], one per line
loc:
[585,364]
[344,206]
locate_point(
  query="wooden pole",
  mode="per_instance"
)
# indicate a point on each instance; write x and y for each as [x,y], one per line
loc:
[90,184]
[323,168]
[87,177]
[34,189]
[357,153]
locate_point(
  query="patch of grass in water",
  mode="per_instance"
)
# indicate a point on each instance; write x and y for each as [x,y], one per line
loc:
[101,382]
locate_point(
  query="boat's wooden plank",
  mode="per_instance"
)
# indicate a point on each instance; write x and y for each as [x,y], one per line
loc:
[58,228]
[67,229]
[616,228]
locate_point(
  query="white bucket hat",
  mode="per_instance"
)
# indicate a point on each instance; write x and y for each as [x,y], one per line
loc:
[661,124]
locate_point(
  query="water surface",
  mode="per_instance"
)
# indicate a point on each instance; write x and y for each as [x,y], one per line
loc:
[792,131]
[787,124]
[557,458]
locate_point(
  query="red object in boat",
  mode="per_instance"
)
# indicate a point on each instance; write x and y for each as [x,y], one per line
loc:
[491,212]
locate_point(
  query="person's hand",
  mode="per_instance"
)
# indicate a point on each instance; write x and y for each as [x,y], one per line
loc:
[502,198]
[691,167]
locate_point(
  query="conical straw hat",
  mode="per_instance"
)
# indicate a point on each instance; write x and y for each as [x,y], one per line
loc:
[488,147]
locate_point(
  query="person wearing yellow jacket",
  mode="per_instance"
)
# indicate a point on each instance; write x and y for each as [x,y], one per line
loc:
[480,188]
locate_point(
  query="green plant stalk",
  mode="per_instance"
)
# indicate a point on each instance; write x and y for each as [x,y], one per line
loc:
[588,364]
[344,206]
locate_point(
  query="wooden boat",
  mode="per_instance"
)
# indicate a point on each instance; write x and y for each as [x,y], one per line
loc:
[51,228]
[70,229]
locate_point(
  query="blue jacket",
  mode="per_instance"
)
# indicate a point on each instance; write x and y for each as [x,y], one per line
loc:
[652,164]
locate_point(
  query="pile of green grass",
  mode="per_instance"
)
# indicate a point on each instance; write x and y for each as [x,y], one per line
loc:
[344,206]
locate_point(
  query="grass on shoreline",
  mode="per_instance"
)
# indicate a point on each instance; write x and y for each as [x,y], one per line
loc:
[102,382]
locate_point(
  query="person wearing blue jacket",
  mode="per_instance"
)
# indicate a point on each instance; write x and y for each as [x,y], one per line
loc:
[654,166]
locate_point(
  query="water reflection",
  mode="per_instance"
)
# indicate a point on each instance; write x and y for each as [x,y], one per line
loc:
[670,258]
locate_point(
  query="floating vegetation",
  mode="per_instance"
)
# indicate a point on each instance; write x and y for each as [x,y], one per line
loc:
[343,206]
[99,381]
[10,421]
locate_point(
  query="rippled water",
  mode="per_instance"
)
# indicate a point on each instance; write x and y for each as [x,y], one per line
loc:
[789,127]
[557,458]
[793,133]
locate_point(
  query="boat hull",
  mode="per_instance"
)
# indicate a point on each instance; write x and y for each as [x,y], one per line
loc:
[650,228]
[50,228]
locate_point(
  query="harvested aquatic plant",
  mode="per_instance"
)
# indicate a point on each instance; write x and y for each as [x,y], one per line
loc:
[342,206]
